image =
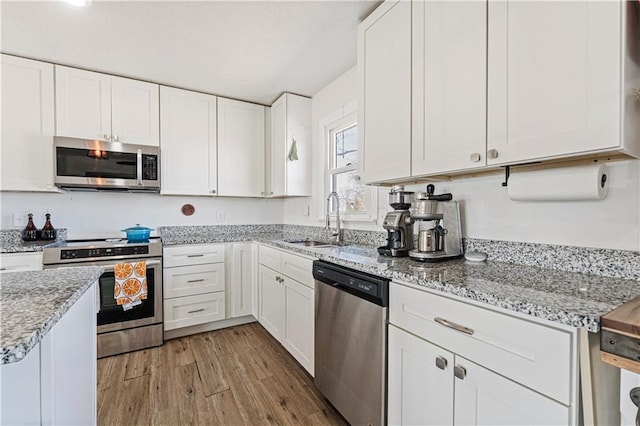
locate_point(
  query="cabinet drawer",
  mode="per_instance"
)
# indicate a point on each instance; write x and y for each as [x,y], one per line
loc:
[193,310]
[15,262]
[298,268]
[536,355]
[196,254]
[197,279]
[270,257]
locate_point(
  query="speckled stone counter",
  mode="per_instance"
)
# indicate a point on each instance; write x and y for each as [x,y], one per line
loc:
[11,241]
[31,303]
[544,291]
[569,298]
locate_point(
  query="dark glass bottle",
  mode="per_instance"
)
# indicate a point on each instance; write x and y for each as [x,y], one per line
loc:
[30,232]
[48,232]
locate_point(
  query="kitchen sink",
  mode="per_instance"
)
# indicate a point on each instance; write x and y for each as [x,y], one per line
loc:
[308,243]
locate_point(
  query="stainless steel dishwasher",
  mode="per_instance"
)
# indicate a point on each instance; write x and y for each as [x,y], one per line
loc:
[351,341]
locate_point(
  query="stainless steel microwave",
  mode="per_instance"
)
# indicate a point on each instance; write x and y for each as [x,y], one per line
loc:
[94,164]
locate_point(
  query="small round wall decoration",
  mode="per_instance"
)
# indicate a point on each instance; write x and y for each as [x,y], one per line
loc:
[188,209]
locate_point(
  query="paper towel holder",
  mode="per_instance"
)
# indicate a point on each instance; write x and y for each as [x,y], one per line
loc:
[507,173]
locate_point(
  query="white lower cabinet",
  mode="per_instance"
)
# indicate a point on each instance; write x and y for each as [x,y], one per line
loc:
[423,389]
[193,310]
[420,390]
[56,383]
[452,362]
[240,288]
[271,307]
[286,302]
[17,262]
[194,285]
[298,320]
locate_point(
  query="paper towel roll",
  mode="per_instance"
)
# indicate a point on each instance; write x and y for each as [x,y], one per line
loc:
[561,184]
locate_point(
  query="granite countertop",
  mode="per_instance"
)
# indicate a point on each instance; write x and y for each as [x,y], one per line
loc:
[569,298]
[32,302]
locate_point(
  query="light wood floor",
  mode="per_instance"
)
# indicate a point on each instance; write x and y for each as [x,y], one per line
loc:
[235,376]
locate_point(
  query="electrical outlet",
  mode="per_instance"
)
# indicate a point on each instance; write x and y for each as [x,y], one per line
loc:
[220,215]
[305,210]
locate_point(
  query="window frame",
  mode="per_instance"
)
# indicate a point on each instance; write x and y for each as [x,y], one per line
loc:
[329,126]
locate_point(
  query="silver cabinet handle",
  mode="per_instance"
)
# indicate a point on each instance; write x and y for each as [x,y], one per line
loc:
[460,372]
[454,325]
[195,255]
[196,281]
[107,137]
[441,362]
[213,191]
[116,138]
[492,153]
[3,269]
[197,310]
[475,157]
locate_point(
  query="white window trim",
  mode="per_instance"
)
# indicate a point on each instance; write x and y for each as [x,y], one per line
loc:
[335,120]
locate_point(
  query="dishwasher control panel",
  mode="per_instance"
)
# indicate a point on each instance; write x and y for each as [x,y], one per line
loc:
[366,286]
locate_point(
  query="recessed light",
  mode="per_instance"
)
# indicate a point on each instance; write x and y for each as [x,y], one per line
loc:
[79,3]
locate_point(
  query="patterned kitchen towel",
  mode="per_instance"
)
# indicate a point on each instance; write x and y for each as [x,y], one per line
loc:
[130,288]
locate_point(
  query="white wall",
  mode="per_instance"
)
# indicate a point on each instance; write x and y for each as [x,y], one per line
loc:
[486,210]
[104,214]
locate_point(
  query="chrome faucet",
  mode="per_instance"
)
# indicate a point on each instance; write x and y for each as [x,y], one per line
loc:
[335,233]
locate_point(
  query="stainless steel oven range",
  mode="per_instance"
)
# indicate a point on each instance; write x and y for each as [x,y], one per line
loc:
[119,331]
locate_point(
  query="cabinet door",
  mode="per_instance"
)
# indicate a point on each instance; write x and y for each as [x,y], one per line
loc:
[449,86]
[83,104]
[27,125]
[240,148]
[420,381]
[271,301]
[188,142]
[384,99]
[299,331]
[20,390]
[554,78]
[135,116]
[486,398]
[242,280]
[297,146]
[277,151]
[69,366]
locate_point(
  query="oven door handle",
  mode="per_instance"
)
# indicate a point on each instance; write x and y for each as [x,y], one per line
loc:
[110,268]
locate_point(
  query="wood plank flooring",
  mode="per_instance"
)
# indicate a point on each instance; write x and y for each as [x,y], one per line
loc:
[235,376]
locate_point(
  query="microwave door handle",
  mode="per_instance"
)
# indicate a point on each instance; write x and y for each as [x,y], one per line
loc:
[139,166]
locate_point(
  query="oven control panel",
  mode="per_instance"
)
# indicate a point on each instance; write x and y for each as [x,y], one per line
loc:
[66,254]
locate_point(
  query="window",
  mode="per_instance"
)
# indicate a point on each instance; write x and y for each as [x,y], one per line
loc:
[356,200]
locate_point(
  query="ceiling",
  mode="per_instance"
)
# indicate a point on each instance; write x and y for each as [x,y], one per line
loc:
[249,50]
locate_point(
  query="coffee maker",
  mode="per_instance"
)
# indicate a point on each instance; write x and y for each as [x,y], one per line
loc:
[438,222]
[398,224]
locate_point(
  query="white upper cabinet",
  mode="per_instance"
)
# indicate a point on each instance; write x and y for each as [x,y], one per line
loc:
[188,142]
[290,146]
[560,83]
[27,125]
[92,105]
[384,93]
[241,148]
[449,86]
[135,111]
